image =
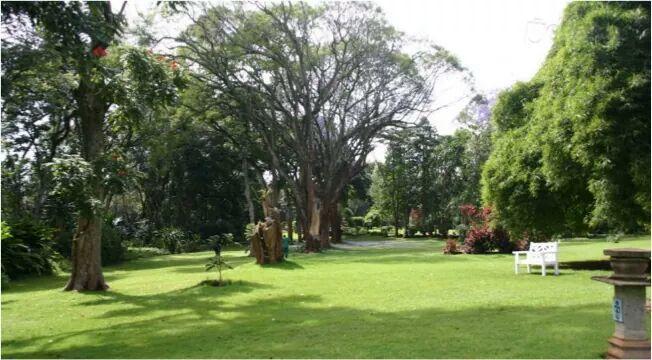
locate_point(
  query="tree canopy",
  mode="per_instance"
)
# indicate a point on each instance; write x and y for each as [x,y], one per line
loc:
[571,148]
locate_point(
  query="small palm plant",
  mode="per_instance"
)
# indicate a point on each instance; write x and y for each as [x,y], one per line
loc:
[218,264]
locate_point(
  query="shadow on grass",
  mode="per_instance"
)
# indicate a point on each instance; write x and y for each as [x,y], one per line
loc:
[586,265]
[199,299]
[288,326]
[234,262]
[48,282]
[591,265]
[283,265]
[165,261]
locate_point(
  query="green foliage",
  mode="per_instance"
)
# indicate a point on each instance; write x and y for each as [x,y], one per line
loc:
[191,173]
[218,264]
[572,147]
[134,253]
[26,248]
[431,172]
[72,177]
[114,246]
[373,218]
[357,221]
[171,239]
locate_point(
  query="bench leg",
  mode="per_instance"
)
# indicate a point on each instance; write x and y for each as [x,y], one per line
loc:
[516,266]
[529,269]
[543,269]
[556,269]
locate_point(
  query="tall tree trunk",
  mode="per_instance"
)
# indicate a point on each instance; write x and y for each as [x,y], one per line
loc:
[86,271]
[336,223]
[289,220]
[407,234]
[312,211]
[312,233]
[298,222]
[396,220]
[247,192]
[324,226]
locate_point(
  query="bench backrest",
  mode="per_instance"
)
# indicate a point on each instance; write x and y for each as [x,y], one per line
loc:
[537,249]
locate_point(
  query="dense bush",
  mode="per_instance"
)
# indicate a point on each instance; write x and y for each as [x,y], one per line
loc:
[357,221]
[114,245]
[26,248]
[373,218]
[479,240]
[171,239]
[177,241]
[482,236]
[502,242]
[134,253]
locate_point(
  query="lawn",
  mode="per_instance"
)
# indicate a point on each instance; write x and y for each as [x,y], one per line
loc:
[408,302]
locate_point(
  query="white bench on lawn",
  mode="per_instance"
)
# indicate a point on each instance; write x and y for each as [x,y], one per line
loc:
[540,254]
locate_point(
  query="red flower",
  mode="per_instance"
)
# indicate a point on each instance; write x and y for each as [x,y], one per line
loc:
[99,51]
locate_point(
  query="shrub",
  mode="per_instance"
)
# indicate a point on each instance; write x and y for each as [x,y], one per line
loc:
[114,245]
[223,239]
[4,279]
[478,240]
[144,233]
[193,243]
[481,237]
[171,239]
[501,241]
[357,221]
[459,231]
[373,218]
[451,247]
[134,253]
[362,231]
[26,248]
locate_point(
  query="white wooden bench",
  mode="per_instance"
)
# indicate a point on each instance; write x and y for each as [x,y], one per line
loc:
[540,254]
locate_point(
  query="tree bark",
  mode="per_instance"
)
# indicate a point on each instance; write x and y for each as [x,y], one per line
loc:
[336,223]
[312,212]
[86,271]
[324,226]
[247,192]
[289,220]
[298,222]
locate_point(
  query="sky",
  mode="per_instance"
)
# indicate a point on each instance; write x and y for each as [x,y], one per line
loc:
[499,41]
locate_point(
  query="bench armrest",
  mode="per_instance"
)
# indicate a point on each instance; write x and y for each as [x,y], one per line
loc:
[519,252]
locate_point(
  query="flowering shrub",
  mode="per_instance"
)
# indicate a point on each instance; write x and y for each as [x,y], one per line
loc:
[481,236]
[479,240]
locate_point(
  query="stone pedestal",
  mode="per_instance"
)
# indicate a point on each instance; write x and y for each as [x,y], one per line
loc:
[630,277]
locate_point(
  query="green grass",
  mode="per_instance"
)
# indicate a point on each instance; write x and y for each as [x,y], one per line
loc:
[396,303]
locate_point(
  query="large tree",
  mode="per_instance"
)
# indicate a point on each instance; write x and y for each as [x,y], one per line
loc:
[101,95]
[572,146]
[317,83]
